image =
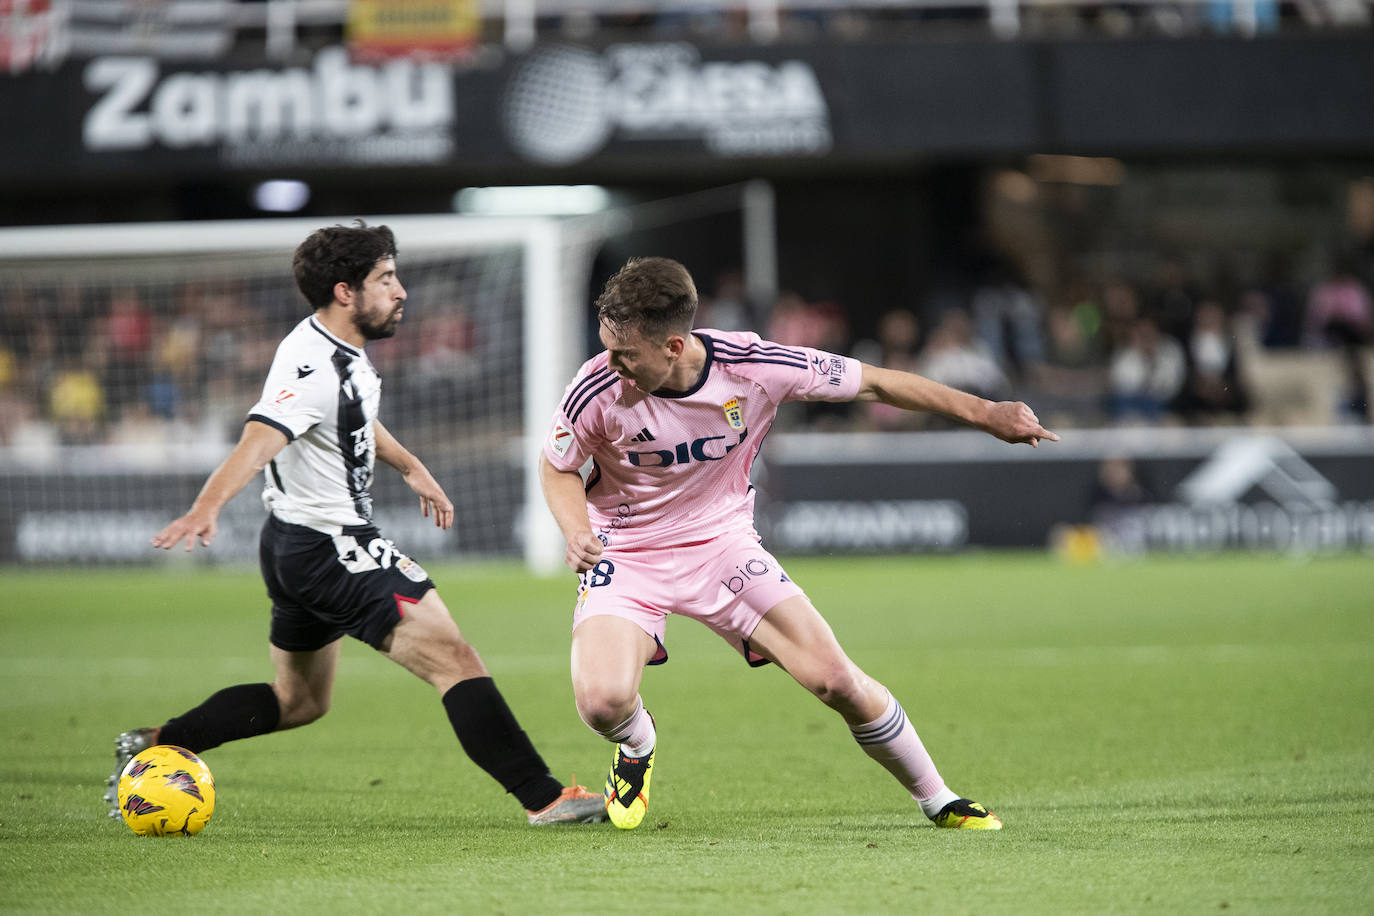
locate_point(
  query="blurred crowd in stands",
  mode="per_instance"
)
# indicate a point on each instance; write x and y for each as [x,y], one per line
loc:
[716,22]
[86,364]
[1109,350]
[163,364]
[720,22]
[32,30]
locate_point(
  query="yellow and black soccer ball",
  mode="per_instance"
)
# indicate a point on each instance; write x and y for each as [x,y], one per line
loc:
[166,791]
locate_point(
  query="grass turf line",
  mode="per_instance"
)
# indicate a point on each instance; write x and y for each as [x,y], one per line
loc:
[1172,735]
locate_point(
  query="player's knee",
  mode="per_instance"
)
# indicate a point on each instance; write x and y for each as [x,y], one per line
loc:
[299,709]
[603,707]
[838,685]
[432,648]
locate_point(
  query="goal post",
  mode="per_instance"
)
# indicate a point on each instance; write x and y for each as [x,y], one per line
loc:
[122,342]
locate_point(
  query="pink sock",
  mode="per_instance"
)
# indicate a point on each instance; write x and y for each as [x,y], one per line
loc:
[636,734]
[892,741]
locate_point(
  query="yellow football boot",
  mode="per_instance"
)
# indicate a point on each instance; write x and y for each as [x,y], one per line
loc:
[627,789]
[962,814]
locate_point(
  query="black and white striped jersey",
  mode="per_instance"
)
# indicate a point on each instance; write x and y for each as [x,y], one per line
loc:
[322,394]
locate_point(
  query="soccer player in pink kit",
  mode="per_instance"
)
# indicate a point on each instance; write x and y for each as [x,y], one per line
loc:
[671,419]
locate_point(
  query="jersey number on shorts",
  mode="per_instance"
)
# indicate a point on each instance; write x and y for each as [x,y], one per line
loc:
[598,575]
[379,553]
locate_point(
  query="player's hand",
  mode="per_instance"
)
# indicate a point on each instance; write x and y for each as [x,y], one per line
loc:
[192,525]
[433,501]
[584,549]
[1013,421]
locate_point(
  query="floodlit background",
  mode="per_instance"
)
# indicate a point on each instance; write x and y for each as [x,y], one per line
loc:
[1147,647]
[1153,219]
[1154,222]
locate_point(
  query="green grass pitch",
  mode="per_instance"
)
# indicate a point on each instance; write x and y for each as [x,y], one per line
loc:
[1161,736]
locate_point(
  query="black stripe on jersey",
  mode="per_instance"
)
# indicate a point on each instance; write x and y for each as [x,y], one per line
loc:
[775,354]
[586,390]
[591,396]
[290,436]
[758,348]
[332,339]
[276,475]
[593,478]
[351,419]
[770,362]
[581,387]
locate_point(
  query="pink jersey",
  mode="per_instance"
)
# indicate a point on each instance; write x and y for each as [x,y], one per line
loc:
[672,468]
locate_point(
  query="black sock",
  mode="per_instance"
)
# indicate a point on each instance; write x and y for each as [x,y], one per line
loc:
[487,729]
[230,714]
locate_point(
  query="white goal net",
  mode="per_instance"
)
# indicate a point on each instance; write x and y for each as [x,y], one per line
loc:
[129,356]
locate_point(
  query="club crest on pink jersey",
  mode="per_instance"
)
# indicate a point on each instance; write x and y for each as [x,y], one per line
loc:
[733,414]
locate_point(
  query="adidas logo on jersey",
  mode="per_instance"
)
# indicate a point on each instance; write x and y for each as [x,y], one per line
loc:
[643,436]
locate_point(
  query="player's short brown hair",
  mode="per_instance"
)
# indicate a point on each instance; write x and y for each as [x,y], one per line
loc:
[337,254]
[655,296]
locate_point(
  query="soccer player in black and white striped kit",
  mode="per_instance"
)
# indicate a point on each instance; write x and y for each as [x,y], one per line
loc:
[329,572]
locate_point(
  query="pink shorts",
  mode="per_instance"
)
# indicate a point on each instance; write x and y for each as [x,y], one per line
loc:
[727,583]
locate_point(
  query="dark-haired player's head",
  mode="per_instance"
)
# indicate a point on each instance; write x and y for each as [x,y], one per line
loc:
[653,296]
[339,254]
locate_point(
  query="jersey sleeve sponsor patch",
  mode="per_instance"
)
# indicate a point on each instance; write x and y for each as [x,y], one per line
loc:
[832,378]
[560,440]
[830,366]
[295,405]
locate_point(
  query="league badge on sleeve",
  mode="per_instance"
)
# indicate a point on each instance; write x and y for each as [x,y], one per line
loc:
[734,414]
[560,440]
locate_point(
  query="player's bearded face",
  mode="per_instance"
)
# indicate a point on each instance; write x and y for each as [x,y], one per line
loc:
[378,308]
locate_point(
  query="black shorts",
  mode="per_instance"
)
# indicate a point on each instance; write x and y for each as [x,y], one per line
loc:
[324,586]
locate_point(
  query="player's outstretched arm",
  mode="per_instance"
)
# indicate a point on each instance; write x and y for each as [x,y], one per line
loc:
[1010,421]
[258,445]
[433,501]
[568,502]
